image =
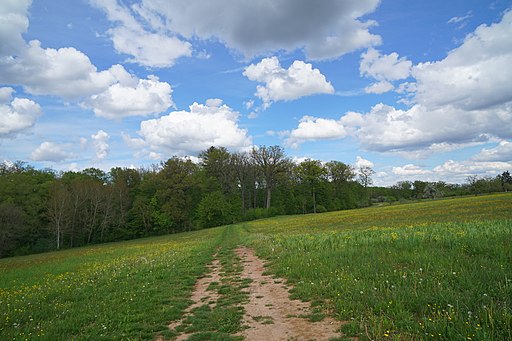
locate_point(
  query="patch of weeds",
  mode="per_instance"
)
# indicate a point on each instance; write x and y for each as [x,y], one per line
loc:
[263,319]
[316,317]
[213,286]
[214,336]
[350,329]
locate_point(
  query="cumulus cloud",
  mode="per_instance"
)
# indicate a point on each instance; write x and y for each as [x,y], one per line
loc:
[313,128]
[148,96]
[189,132]
[100,143]
[50,151]
[502,152]
[383,68]
[69,73]
[16,115]
[325,29]
[299,80]
[476,75]
[386,128]
[361,162]
[467,168]
[410,170]
[142,34]
[462,100]
[13,22]
[379,88]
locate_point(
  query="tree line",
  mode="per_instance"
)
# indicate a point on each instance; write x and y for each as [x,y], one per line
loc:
[43,210]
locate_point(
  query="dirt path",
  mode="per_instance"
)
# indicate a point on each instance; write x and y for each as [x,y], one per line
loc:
[271,315]
[201,295]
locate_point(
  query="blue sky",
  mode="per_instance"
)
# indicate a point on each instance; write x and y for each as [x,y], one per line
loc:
[416,89]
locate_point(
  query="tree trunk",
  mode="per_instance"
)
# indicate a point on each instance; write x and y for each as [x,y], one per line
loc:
[314,201]
[269,195]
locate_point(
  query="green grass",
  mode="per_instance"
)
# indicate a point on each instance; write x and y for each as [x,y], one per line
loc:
[118,291]
[437,269]
[402,272]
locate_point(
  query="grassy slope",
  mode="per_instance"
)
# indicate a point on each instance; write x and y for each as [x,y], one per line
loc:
[434,269]
[440,269]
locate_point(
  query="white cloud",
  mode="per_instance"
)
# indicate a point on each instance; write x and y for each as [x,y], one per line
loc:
[462,21]
[100,143]
[384,67]
[385,128]
[463,99]
[462,169]
[134,143]
[476,75]
[69,73]
[13,22]
[141,34]
[148,96]
[502,152]
[155,156]
[361,162]
[409,170]
[50,151]
[314,128]
[379,88]
[326,29]
[299,80]
[189,132]
[16,115]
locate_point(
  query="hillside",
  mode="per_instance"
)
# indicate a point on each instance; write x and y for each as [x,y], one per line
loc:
[440,268]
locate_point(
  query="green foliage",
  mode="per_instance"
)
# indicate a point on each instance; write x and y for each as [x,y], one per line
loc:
[215,210]
[43,210]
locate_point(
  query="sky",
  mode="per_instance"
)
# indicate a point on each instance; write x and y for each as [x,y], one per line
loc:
[418,90]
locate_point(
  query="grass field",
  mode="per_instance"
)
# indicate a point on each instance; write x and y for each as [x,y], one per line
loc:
[431,270]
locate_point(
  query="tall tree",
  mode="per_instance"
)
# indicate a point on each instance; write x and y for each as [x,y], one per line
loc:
[365,175]
[58,210]
[242,165]
[311,173]
[216,162]
[272,162]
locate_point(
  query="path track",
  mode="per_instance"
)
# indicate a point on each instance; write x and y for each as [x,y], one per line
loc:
[269,313]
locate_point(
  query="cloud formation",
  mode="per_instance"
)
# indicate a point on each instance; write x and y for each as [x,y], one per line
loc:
[384,69]
[461,100]
[314,128]
[68,73]
[145,97]
[142,34]
[100,143]
[502,152]
[324,30]
[299,80]
[50,151]
[189,132]
[16,114]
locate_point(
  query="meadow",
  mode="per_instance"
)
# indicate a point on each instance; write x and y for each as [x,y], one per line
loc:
[439,269]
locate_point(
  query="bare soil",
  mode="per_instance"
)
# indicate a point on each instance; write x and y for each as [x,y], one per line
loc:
[201,294]
[271,315]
